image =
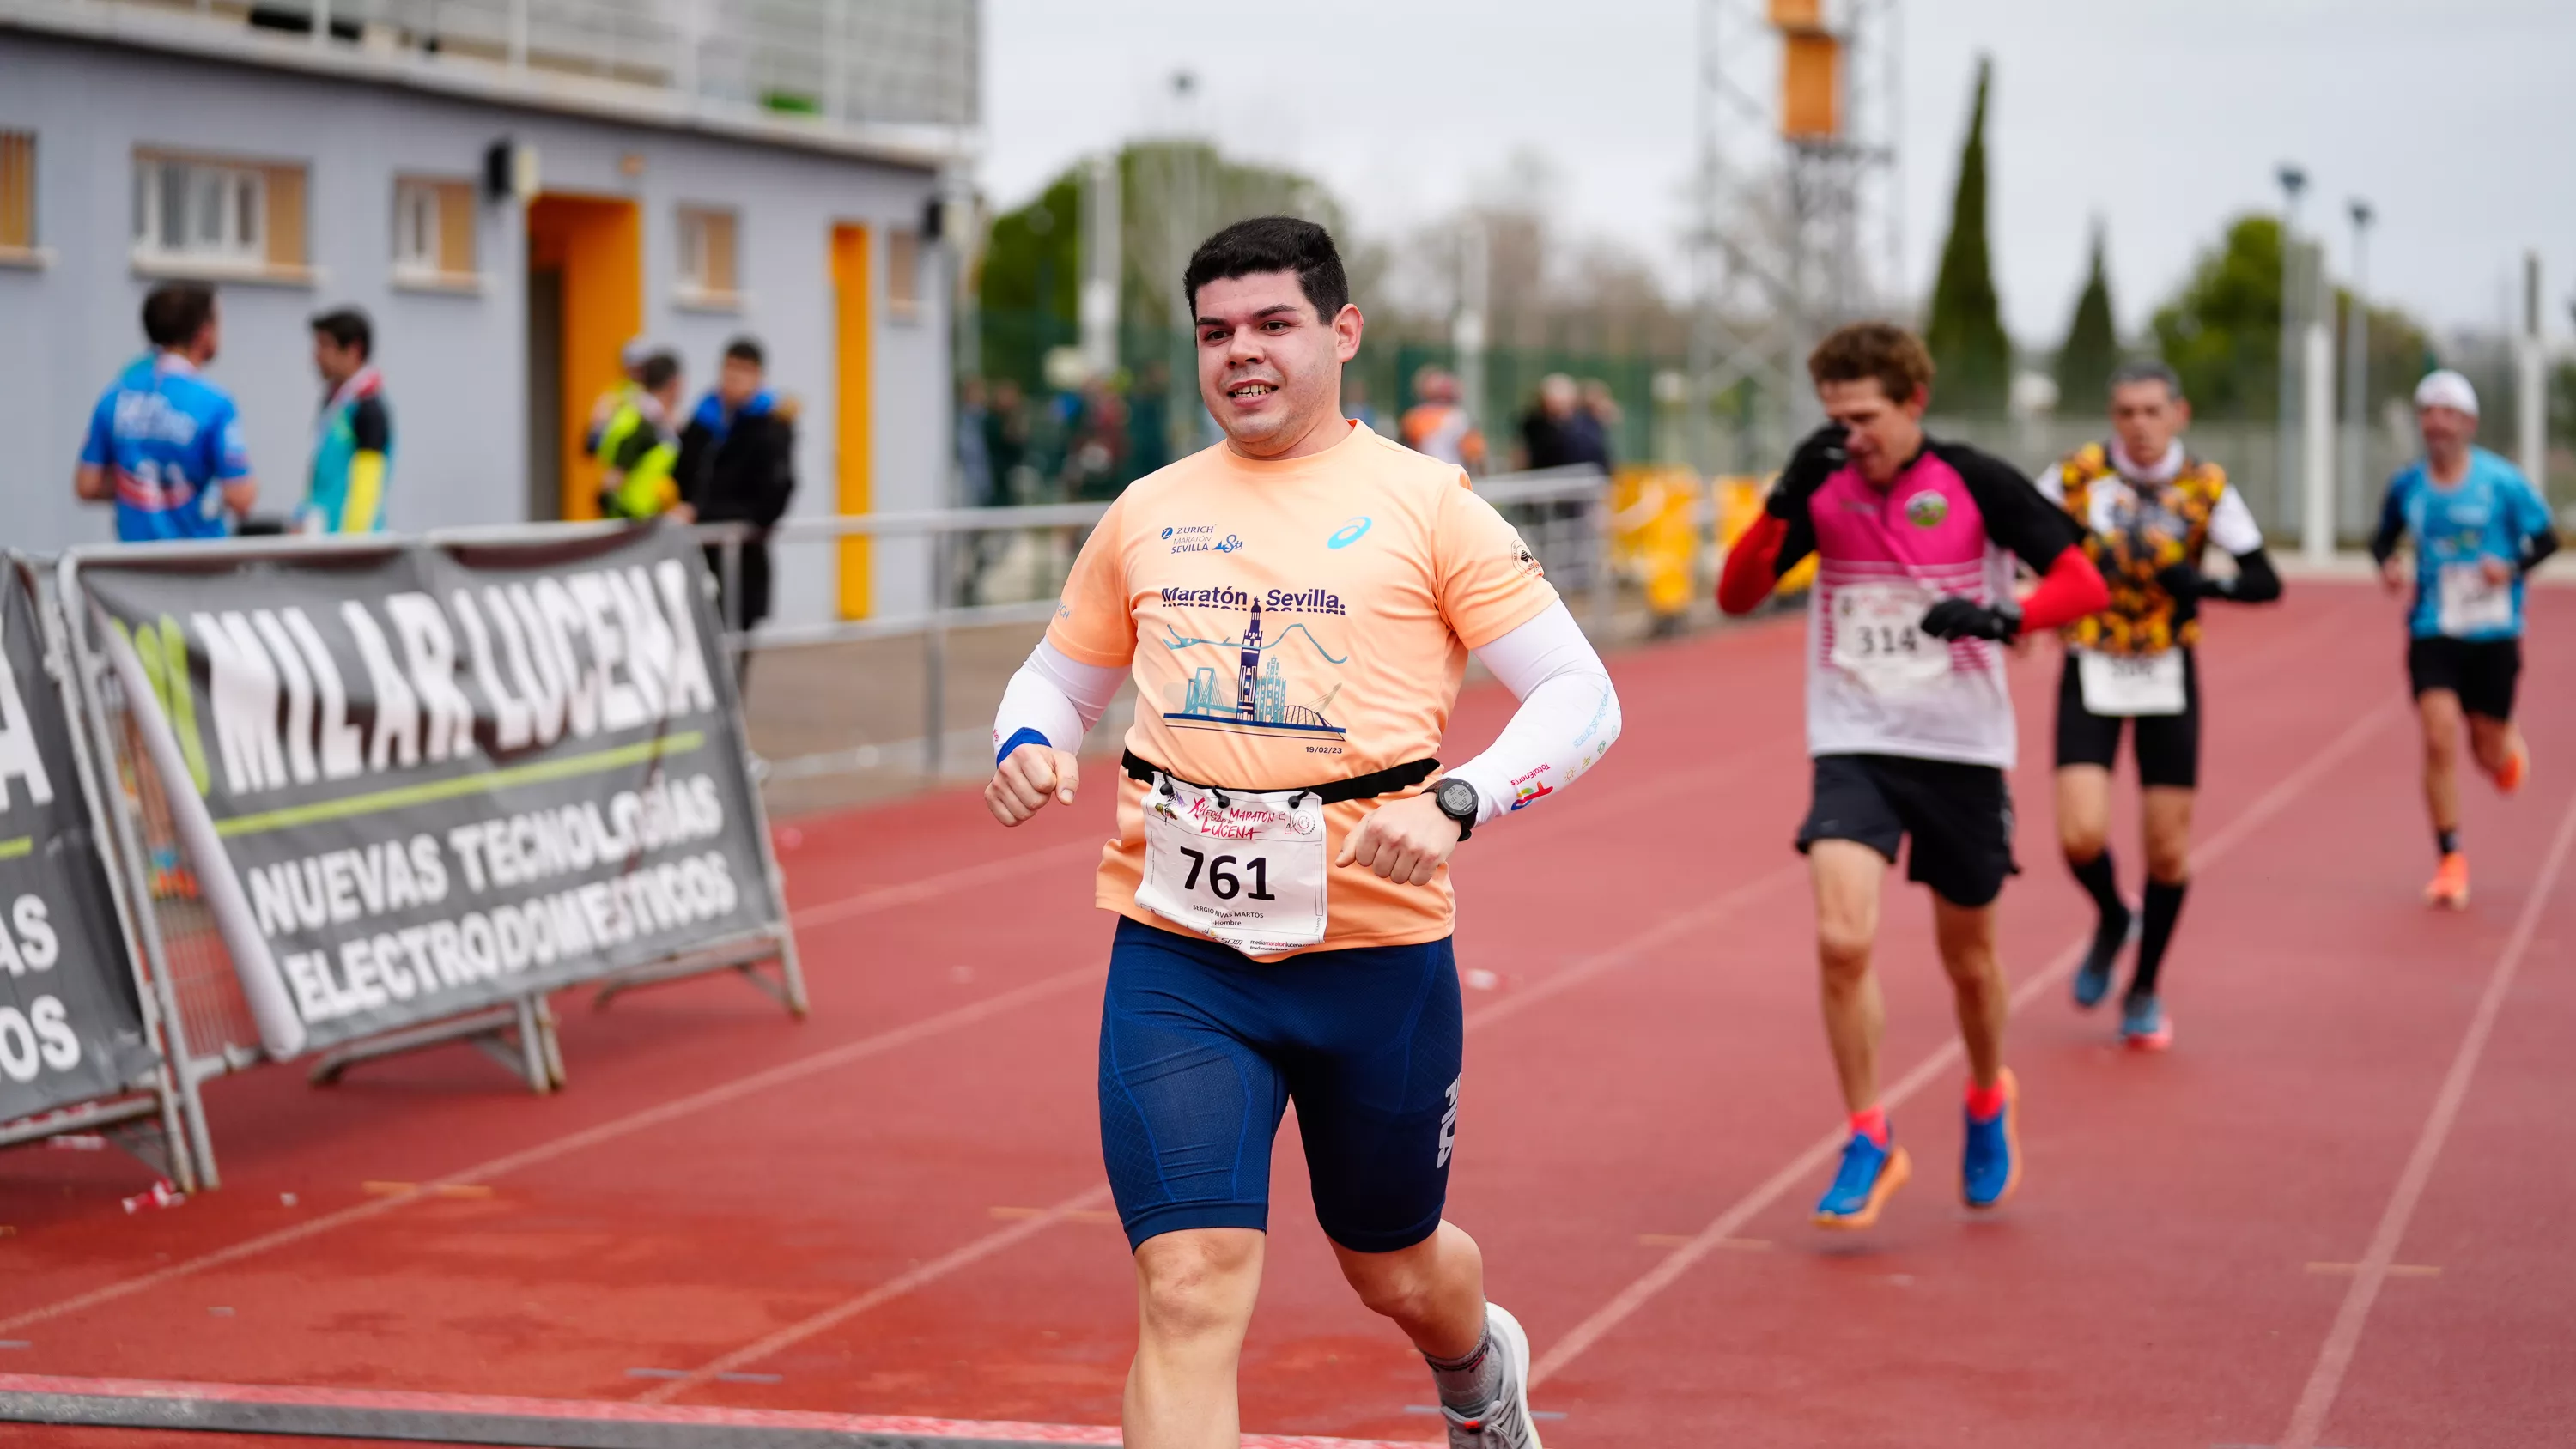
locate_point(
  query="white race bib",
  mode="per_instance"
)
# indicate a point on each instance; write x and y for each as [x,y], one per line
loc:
[2131,684]
[1243,867]
[1879,638]
[2469,604]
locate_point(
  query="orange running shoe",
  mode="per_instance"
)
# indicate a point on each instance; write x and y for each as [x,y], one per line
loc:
[2516,768]
[2450,885]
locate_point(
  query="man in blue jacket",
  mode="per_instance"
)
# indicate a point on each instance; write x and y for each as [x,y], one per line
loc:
[165,445]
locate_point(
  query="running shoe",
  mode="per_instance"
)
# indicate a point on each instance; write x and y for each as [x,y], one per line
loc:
[1990,1165]
[2516,768]
[2450,885]
[1869,1176]
[1506,1423]
[2093,978]
[2144,1025]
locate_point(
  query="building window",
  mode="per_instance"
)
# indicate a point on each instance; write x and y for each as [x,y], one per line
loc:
[225,215]
[17,191]
[903,274]
[434,231]
[709,256]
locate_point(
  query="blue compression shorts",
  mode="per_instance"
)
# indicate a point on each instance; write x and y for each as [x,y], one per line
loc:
[1202,1050]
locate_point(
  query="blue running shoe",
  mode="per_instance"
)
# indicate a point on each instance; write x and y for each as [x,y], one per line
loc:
[2093,978]
[2144,1025]
[1869,1176]
[1990,1167]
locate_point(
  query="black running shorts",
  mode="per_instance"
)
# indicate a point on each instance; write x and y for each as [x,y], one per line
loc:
[1960,818]
[2482,672]
[2168,744]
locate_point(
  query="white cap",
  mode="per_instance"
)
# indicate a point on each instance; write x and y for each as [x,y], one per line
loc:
[636,352]
[2446,389]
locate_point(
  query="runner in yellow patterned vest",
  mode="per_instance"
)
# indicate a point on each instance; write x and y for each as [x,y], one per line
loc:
[2150,511]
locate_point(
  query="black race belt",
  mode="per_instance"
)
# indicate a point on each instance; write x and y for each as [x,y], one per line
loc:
[1331,792]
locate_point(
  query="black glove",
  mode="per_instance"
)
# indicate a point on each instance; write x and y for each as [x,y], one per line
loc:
[1958,618]
[2187,586]
[1816,460]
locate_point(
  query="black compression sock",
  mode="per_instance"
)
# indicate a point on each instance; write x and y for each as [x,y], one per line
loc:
[2097,879]
[2447,841]
[2163,909]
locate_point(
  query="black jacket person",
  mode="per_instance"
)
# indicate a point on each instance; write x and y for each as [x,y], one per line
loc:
[738,465]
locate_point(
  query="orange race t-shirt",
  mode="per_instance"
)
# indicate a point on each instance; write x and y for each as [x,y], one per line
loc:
[1292,623]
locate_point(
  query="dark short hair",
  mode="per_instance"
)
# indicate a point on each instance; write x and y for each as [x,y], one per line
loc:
[348,327]
[657,372]
[1896,358]
[746,349]
[2147,369]
[1272,244]
[176,312]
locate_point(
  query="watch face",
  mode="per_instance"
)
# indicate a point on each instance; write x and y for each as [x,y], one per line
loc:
[1457,797]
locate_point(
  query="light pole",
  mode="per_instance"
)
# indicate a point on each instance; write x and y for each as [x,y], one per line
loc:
[2356,358]
[2293,181]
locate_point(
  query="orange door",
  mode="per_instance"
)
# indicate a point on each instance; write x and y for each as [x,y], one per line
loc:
[595,247]
[852,408]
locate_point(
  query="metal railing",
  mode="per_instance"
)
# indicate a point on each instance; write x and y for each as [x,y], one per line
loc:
[1003,568]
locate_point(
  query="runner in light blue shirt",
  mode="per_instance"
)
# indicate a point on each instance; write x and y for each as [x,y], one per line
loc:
[2479,527]
[164,444]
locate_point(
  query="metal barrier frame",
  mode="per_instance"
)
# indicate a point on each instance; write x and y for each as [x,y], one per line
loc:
[520,1034]
[170,1091]
[1584,485]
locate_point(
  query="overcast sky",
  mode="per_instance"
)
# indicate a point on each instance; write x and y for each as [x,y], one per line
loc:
[2164,117]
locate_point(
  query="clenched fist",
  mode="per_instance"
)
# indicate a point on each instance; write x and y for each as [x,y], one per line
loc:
[1028,778]
[1404,842]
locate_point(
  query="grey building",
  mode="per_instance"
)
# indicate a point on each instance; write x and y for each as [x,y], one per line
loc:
[512,189]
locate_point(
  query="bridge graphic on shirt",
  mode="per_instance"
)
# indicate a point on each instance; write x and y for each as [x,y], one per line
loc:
[1258,703]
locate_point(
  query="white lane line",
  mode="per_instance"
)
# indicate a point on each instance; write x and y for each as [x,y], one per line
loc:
[1727,1224]
[2334,1358]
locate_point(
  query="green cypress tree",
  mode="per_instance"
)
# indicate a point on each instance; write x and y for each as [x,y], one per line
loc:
[2092,347]
[1966,330]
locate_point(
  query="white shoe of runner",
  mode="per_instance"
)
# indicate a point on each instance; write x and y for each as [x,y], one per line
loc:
[1506,1423]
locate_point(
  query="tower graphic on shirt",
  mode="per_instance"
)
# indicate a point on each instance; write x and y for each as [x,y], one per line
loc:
[1259,703]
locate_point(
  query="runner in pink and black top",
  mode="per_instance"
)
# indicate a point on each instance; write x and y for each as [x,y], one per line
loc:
[1909,718]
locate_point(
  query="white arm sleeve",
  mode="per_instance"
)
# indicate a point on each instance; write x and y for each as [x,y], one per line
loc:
[1055,698]
[1568,719]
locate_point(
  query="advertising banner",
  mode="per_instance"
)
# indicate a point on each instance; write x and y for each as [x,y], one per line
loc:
[71,1028]
[421,778]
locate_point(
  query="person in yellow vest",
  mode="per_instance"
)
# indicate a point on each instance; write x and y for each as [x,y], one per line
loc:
[2150,510]
[639,450]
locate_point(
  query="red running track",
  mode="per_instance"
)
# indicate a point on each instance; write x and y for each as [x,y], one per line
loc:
[2327,1218]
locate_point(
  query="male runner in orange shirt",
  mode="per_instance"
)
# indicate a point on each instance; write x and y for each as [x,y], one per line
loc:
[1296,606]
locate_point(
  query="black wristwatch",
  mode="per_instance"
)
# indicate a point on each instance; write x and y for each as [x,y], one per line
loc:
[1458,800]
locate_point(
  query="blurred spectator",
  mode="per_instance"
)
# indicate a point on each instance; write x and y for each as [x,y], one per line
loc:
[1355,400]
[1438,423]
[976,479]
[604,408]
[737,464]
[1557,432]
[1149,421]
[639,451]
[1094,458]
[353,442]
[1006,442]
[1601,406]
[164,444]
